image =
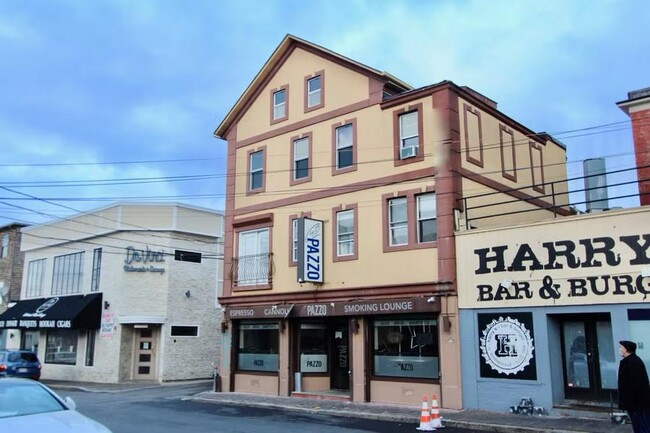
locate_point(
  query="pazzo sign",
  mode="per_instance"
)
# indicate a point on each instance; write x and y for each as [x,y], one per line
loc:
[533,270]
[506,345]
[310,250]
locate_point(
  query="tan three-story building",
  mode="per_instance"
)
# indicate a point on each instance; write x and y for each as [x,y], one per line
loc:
[345,186]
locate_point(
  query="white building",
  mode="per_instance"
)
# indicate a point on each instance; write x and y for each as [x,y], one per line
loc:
[124,292]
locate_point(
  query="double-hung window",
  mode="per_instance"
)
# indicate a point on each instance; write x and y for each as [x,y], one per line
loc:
[408,134]
[398,221]
[68,274]
[314,92]
[345,233]
[301,158]
[253,261]
[344,146]
[256,171]
[280,104]
[426,214]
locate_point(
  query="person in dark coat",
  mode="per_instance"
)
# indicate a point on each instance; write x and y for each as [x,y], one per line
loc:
[634,388]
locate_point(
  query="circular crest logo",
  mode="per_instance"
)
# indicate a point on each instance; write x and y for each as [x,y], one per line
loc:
[46,305]
[506,345]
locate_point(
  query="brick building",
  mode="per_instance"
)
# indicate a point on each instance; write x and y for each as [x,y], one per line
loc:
[637,106]
[11,269]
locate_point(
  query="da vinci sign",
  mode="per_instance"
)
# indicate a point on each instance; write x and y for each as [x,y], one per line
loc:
[543,266]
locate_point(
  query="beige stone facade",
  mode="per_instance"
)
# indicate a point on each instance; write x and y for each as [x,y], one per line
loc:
[157,271]
[380,171]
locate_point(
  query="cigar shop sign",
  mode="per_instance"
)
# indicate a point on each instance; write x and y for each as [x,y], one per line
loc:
[538,267]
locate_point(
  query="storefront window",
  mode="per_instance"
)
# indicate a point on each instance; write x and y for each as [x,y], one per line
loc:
[406,348]
[258,347]
[313,348]
[61,346]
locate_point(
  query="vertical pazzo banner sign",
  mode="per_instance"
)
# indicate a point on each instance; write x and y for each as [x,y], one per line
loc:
[507,346]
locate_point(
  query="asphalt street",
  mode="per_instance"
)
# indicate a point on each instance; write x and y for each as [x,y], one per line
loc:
[163,410]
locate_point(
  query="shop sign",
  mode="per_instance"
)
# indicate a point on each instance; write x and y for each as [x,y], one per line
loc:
[138,260]
[325,309]
[259,312]
[107,326]
[506,346]
[310,250]
[532,270]
[313,363]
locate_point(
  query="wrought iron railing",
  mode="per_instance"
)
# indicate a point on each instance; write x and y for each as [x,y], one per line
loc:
[252,270]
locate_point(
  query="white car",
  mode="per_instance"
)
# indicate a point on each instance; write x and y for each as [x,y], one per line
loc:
[30,406]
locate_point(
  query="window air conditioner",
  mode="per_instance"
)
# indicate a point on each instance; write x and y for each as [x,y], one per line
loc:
[408,152]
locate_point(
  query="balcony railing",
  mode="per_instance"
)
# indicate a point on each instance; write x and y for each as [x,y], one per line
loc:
[253,270]
[559,198]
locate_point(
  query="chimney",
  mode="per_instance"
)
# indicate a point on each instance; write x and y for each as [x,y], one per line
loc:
[637,106]
[595,184]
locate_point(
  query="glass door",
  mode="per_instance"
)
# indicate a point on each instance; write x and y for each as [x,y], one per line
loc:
[145,354]
[589,357]
[341,356]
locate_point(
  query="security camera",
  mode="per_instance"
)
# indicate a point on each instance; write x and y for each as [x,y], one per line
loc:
[431,300]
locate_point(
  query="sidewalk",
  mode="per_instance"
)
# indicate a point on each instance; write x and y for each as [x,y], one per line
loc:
[468,418]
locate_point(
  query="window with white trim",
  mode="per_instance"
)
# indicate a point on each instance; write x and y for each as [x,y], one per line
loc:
[279,104]
[35,274]
[256,170]
[253,261]
[67,274]
[408,131]
[426,215]
[345,233]
[344,146]
[397,221]
[314,91]
[301,158]
[294,240]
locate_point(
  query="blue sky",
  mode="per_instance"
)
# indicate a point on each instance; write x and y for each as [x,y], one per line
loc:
[89,87]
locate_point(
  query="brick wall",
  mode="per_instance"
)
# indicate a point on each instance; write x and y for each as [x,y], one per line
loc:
[11,267]
[641,133]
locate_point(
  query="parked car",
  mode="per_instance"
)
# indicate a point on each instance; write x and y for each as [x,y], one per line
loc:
[30,406]
[19,363]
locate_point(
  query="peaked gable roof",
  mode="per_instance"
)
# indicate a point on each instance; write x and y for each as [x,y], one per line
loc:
[279,56]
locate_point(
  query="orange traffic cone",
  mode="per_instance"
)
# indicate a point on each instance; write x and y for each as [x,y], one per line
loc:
[425,416]
[436,420]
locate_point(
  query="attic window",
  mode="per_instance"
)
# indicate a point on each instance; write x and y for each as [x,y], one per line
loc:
[279,104]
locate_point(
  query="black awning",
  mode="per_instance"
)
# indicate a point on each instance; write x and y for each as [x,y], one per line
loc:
[58,312]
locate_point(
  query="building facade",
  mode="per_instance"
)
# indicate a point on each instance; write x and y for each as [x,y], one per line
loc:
[11,270]
[125,292]
[345,186]
[544,305]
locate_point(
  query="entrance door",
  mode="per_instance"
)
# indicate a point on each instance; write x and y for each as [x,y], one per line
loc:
[145,354]
[341,356]
[589,357]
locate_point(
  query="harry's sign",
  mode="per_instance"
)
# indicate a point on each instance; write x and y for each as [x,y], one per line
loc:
[532,269]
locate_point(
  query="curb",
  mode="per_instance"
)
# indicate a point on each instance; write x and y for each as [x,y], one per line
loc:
[496,428]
